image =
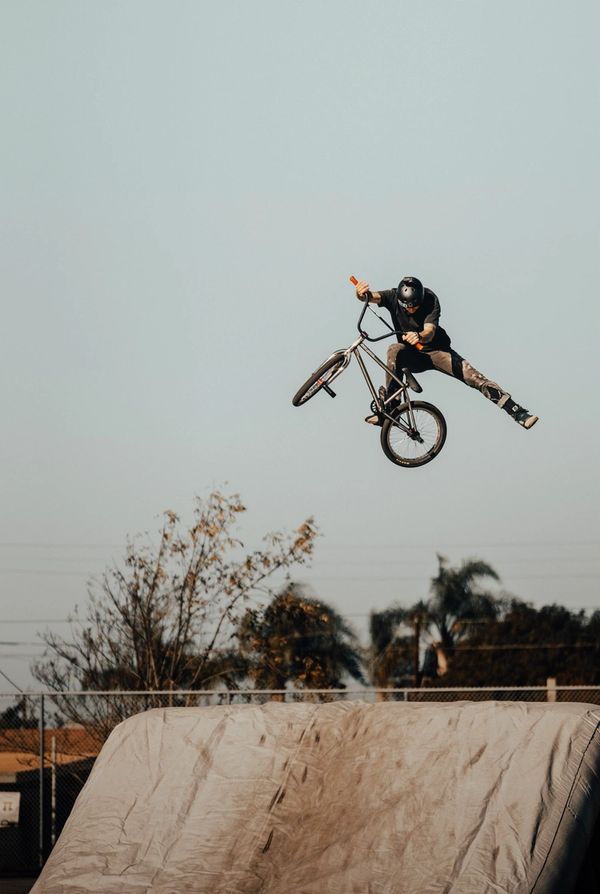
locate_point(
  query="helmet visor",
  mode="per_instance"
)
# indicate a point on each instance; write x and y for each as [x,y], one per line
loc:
[410,301]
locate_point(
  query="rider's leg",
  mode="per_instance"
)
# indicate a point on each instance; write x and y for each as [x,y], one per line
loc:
[451,363]
[392,361]
[400,356]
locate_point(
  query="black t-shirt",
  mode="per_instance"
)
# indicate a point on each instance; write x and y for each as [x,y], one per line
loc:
[428,312]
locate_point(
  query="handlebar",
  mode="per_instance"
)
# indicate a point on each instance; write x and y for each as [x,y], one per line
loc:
[365,335]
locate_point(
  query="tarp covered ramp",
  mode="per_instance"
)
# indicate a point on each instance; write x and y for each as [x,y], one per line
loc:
[387,798]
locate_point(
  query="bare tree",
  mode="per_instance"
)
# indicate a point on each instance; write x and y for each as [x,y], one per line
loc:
[164,619]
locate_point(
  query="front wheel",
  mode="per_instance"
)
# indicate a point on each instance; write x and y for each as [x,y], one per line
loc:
[321,376]
[408,444]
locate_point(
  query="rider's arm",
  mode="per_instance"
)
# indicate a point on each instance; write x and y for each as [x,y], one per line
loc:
[362,288]
[427,333]
[431,320]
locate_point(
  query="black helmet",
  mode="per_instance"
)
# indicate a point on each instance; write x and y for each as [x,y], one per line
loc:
[410,292]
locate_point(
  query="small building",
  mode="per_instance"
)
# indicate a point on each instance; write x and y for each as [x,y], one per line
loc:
[70,753]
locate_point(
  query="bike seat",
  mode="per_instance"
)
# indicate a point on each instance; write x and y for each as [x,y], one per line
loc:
[411,381]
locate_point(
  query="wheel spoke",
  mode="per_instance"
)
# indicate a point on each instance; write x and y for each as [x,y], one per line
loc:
[407,450]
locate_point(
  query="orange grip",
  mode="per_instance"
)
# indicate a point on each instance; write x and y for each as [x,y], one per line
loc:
[354,282]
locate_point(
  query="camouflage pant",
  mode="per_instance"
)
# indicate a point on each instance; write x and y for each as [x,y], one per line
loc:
[449,362]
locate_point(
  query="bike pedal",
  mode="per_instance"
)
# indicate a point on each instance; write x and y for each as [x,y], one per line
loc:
[329,391]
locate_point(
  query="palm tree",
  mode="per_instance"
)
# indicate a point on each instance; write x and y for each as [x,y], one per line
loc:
[299,640]
[389,656]
[457,600]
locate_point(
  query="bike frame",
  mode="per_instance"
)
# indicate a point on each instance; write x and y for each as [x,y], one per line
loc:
[355,350]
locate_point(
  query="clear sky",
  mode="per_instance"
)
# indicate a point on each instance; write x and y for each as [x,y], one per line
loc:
[185,189]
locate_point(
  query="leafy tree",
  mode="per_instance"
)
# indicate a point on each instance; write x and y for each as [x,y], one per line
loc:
[164,618]
[21,715]
[526,646]
[300,641]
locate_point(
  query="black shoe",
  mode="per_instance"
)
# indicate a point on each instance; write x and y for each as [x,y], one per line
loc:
[525,418]
[375,419]
[520,414]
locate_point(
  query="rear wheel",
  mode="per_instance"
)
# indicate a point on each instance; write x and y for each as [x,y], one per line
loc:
[319,378]
[413,445]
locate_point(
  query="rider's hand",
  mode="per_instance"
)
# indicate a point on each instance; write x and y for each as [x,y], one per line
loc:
[411,338]
[362,288]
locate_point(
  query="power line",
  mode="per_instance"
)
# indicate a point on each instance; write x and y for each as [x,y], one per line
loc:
[399,577]
[18,688]
[403,562]
[35,620]
[19,643]
[318,559]
[45,572]
[526,646]
[357,578]
[19,544]
[461,647]
[58,562]
[570,607]
[437,545]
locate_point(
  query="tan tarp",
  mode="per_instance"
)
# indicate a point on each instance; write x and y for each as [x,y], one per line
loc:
[389,798]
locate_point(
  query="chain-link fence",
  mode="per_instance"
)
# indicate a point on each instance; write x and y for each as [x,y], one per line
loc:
[49,742]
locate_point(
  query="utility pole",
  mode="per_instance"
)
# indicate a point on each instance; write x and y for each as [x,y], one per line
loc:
[416,655]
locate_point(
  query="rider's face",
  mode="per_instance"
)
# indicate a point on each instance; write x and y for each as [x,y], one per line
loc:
[411,310]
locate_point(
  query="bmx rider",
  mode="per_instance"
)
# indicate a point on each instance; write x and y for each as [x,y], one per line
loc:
[415,310]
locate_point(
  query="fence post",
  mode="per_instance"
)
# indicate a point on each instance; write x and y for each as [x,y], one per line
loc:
[551,689]
[53,792]
[41,780]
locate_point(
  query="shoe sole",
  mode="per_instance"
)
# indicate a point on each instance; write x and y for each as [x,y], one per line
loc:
[530,422]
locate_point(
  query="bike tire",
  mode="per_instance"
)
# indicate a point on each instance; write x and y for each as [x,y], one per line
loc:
[425,414]
[319,378]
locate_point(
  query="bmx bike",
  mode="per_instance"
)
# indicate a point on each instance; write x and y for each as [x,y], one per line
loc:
[413,431]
